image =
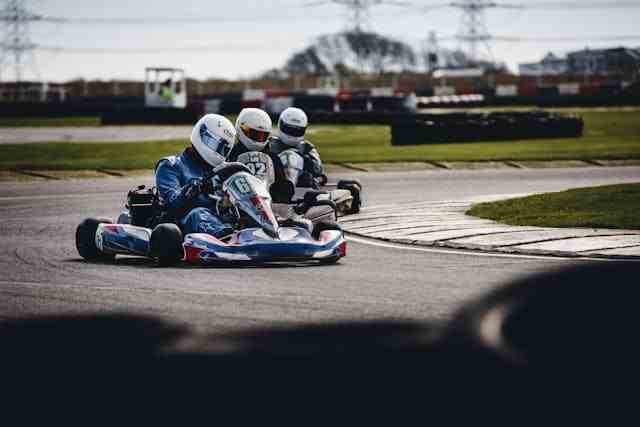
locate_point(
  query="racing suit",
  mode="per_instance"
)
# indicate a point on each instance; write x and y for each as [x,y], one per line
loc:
[180,184]
[312,163]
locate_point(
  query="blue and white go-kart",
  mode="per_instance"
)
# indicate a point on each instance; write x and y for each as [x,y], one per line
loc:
[260,237]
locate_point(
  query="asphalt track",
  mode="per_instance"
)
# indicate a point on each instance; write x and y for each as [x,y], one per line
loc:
[43,275]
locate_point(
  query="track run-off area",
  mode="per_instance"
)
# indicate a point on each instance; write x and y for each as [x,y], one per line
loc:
[42,274]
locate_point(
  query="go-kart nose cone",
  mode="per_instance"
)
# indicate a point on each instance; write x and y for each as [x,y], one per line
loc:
[260,210]
[250,195]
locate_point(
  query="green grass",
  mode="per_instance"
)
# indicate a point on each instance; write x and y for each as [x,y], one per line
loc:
[609,135]
[51,121]
[612,206]
[77,156]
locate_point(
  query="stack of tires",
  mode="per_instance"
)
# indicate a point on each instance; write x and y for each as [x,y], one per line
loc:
[466,127]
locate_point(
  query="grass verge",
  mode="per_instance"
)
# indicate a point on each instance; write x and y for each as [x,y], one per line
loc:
[51,122]
[612,206]
[610,135]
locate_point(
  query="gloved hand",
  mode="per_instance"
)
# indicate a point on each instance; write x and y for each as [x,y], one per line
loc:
[197,187]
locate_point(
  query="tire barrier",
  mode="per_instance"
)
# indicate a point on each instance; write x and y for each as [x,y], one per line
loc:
[463,127]
[73,108]
[356,118]
[151,116]
[314,102]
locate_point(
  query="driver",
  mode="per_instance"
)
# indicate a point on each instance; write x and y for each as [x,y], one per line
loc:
[182,180]
[253,128]
[292,126]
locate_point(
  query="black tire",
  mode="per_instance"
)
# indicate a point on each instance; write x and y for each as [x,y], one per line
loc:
[357,200]
[324,226]
[343,183]
[86,240]
[166,244]
[311,196]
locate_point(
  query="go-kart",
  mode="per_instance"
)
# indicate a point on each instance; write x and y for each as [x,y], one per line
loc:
[146,229]
[289,202]
[298,185]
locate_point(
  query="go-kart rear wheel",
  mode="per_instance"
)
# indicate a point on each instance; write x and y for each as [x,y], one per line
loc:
[166,244]
[324,226]
[341,185]
[355,188]
[356,203]
[86,240]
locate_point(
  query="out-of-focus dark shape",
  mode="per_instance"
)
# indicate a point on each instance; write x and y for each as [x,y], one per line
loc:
[547,332]
[563,321]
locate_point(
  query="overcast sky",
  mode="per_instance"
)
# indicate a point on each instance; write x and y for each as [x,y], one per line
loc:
[250,36]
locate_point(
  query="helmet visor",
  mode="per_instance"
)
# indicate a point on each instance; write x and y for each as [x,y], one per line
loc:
[218,144]
[295,131]
[256,135]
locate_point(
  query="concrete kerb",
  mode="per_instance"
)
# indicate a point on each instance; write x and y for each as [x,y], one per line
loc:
[455,230]
[339,168]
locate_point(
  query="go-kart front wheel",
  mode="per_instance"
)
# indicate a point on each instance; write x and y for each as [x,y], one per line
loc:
[86,240]
[166,244]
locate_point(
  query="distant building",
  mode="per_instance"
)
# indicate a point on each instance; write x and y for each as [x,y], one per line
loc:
[621,61]
[617,61]
[551,65]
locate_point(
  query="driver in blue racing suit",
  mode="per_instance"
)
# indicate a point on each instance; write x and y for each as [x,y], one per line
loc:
[185,182]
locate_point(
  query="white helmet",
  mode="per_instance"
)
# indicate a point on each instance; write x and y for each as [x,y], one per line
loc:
[213,138]
[253,128]
[292,125]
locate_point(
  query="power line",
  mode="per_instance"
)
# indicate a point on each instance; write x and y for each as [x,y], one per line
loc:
[473,30]
[161,20]
[155,50]
[573,5]
[359,11]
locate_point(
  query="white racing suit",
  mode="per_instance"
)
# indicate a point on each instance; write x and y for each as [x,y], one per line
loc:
[312,162]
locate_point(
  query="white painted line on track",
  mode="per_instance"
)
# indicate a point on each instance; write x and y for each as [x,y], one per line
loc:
[372,242]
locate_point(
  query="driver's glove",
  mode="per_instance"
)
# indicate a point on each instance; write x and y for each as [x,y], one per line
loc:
[216,184]
[196,187]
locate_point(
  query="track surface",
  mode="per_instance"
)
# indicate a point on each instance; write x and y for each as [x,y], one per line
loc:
[30,135]
[42,273]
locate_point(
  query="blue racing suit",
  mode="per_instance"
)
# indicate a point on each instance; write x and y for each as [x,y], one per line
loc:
[179,180]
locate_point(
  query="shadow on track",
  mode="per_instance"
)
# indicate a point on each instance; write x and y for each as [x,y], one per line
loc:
[149,263]
[562,328]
